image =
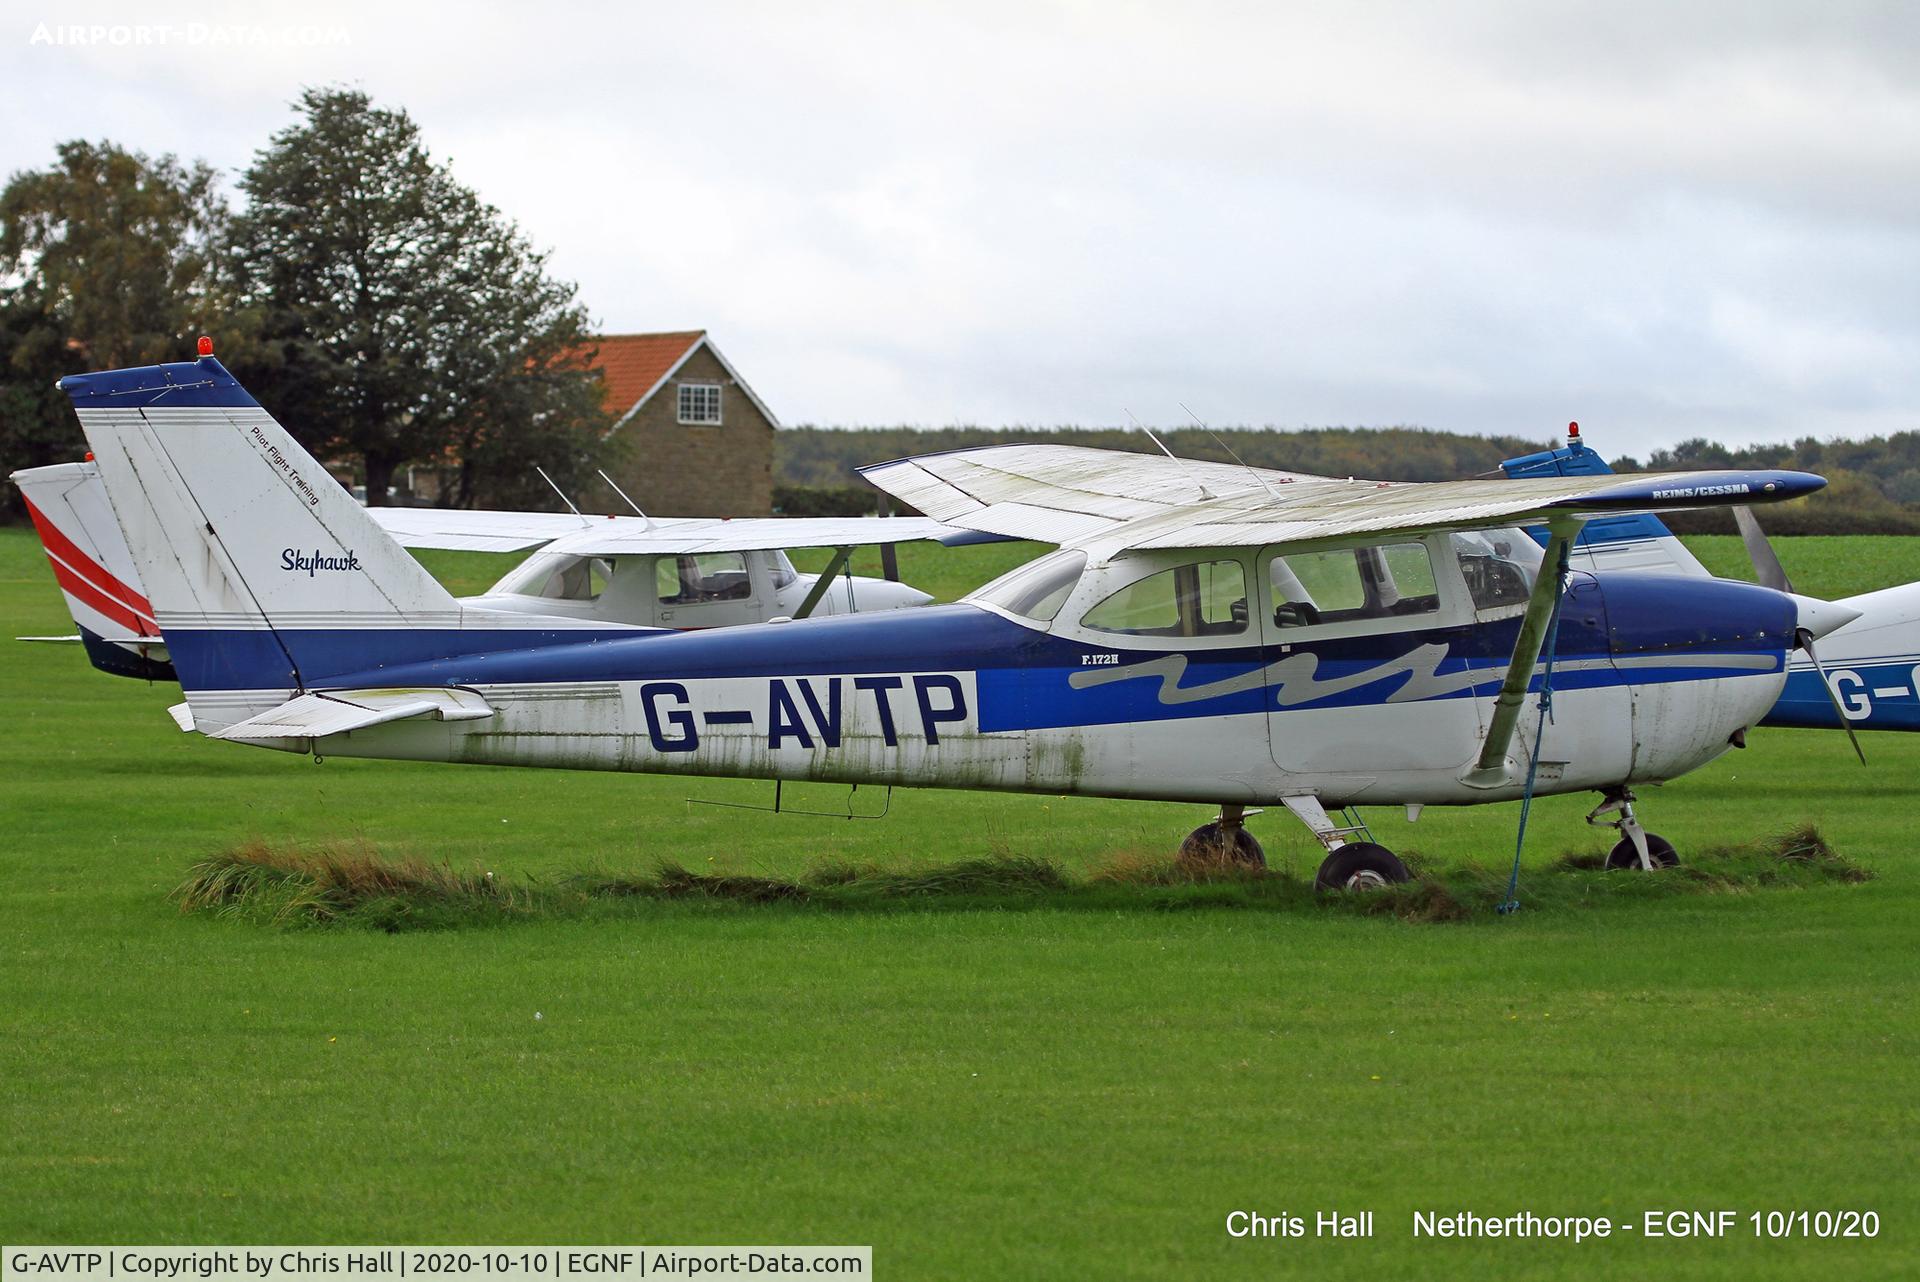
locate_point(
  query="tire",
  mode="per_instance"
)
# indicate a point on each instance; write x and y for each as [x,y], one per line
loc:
[1209,846]
[1659,849]
[1360,865]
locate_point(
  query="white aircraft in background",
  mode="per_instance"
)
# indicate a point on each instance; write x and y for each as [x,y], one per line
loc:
[1204,634]
[1871,677]
[658,572]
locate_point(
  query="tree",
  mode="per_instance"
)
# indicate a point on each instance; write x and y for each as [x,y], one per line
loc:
[407,320]
[107,258]
[550,415]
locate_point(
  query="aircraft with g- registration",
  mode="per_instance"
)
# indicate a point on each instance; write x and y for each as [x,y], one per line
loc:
[1204,633]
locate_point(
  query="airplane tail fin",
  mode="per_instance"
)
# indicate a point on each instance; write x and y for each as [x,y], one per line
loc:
[265,575]
[95,570]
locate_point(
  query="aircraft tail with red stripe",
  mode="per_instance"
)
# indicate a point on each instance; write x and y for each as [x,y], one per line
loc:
[95,570]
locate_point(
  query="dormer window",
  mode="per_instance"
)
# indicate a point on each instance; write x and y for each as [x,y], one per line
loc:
[700,404]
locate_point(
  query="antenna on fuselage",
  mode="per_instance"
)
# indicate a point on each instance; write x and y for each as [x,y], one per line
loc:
[623,494]
[562,493]
[1252,471]
[1205,493]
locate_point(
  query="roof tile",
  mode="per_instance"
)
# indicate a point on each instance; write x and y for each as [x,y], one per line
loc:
[630,364]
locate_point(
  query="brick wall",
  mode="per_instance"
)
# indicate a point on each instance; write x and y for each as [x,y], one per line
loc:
[675,469]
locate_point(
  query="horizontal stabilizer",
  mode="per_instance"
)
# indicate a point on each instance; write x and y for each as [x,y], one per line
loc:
[152,643]
[315,716]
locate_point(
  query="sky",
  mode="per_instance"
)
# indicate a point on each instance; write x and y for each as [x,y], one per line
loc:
[1664,220]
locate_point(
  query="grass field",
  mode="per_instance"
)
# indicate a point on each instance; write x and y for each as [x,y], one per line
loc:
[982,1091]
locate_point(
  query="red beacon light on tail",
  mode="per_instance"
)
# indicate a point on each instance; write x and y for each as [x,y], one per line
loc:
[206,345]
[1573,436]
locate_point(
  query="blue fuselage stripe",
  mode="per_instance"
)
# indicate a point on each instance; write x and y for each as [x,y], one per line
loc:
[1655,629]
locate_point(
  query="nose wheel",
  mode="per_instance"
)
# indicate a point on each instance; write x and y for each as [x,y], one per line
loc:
[1637,848]
[1360,865]
[1660,854]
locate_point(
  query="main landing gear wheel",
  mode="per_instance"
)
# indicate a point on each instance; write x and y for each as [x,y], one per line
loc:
[1659,850]
[1360,865]
[1215,845]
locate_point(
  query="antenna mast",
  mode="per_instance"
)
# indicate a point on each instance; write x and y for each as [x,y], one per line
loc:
[1179,462]
[1253,471]
[623,494]
[562,493]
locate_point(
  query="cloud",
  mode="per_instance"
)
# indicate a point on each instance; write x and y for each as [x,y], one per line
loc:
[1665,221]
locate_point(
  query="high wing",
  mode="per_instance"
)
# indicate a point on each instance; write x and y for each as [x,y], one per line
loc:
[459,530]
[1065,493]
[627,536]
[469,531]
[1118,501]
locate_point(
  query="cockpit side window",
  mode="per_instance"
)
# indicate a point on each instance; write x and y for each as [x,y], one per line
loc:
[1384,580]
[1500,566]
[697,578]
[1206,599]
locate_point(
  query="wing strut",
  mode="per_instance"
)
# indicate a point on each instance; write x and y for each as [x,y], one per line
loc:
[1490,771]
[820,585]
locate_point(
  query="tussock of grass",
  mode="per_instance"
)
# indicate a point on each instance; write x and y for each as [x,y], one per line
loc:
[671,881]
[258,881]
[354,885]
[1795,855]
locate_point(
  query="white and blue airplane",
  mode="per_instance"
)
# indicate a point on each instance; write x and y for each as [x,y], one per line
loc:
[1871,665]
[1203,633]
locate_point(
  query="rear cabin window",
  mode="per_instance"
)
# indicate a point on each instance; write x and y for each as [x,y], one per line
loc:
[1386,580]
[702,577]
[575,578]
[1208,599]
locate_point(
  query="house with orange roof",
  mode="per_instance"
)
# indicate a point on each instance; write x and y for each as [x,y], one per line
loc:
[696,440]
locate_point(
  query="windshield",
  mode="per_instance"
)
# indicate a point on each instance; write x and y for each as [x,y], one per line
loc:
[1037,589]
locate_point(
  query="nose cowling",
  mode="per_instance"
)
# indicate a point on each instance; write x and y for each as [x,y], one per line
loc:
[1821,617]
[1651,615]
[1706,658]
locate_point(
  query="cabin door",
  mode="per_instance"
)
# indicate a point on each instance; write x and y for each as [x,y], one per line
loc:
[1365,654]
